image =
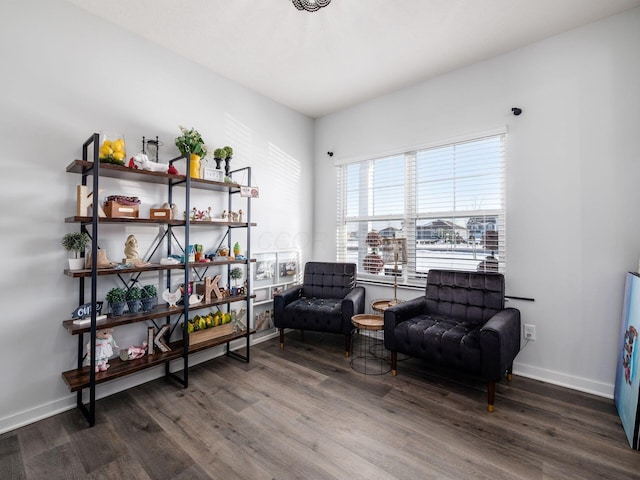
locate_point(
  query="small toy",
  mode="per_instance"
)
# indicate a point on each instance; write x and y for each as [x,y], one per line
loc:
[105,344]
[133,352]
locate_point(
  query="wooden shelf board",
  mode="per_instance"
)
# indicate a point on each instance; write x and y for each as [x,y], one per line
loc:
[78,379]
[85,167]
[152,221]
[157,221]
[110,322]
[86,272]
[159,311]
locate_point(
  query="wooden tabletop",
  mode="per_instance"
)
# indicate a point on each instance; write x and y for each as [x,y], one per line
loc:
[368,322]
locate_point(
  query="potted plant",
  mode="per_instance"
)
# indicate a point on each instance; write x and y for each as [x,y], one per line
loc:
[116,297]
[191,143]
[134,299]
[76,242]
[149,296]
[235,274]
[227,159]
[219,154]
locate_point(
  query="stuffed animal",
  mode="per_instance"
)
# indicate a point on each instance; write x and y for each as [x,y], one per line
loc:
[105,344]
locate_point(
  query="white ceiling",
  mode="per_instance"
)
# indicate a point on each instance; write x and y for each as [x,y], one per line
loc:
[351,50]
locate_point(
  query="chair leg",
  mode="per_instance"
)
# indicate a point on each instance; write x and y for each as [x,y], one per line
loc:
[510,373]
[281,338]
[394,363]
[347,345]
[491,389]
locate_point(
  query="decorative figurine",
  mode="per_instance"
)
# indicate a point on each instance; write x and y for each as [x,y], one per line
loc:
[142,162]
[105,344]
[172,298]
[240,215]
[175,212]
[131,252]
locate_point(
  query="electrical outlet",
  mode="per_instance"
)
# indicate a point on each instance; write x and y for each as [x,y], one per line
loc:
[529,332]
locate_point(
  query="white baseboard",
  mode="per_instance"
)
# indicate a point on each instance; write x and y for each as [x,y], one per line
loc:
[569,381]
[68,402]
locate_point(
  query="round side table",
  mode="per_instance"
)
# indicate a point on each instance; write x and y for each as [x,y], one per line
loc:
[369,355]
[380,306]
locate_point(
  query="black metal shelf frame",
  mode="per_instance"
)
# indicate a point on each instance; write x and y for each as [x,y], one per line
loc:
[89,409]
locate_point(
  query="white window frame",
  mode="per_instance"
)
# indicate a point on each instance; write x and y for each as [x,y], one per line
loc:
[410,276]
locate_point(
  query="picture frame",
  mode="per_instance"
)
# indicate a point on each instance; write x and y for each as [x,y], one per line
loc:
[264,320]
[265,268]
[262,294]
[627,386]
[287,267]
[213,174]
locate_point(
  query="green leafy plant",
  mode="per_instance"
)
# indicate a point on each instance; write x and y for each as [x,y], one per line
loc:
[236,274]
[229,151]
[116,295]
[134,293]
[76,242]
[219,154]
[191,142]
[149,291]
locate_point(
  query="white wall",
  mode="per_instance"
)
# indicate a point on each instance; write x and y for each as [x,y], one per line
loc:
[65,75]
[573,169]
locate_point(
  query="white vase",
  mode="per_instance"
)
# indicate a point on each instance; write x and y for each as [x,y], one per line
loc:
[76,263]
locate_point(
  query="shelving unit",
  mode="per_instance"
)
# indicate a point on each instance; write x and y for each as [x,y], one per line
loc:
[84,378]
[271,280]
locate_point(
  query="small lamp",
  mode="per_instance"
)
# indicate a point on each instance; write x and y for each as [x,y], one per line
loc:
[394,250]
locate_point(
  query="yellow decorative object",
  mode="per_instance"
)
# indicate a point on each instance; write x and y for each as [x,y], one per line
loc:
[194,166]
[112,148]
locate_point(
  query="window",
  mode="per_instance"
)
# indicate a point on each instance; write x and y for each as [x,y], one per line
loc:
[438,207]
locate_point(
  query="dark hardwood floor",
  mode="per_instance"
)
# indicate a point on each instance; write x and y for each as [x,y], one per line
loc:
[304,413]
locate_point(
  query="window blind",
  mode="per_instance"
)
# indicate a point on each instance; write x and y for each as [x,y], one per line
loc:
[439,207]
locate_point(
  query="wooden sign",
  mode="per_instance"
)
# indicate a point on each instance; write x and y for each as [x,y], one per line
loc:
[213,174]
[253,192]
[159,342]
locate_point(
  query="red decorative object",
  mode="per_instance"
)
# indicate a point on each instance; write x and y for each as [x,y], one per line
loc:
[374,239]
[373,263]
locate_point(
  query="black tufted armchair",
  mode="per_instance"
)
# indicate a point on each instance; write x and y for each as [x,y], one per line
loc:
[325,302]
[460,323]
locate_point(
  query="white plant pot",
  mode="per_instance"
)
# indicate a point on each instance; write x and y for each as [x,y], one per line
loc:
[76,263]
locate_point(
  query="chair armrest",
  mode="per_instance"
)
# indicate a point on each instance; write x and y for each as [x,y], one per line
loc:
[398,314]
[352,304]
[284,298]
[500,343]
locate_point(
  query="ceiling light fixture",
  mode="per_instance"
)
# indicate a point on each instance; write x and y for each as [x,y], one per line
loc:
[310,5]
